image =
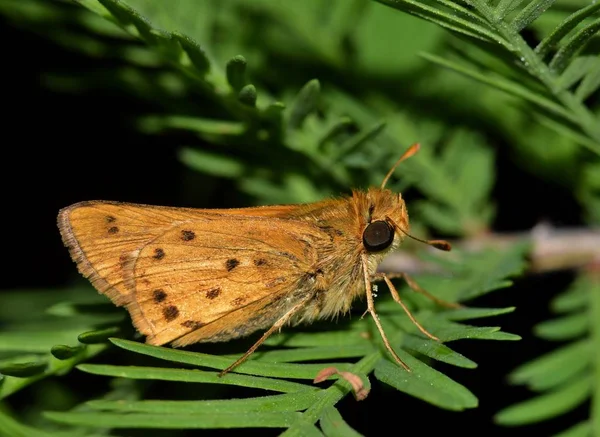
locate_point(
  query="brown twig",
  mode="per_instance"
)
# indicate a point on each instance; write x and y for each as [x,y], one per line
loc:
[552,249]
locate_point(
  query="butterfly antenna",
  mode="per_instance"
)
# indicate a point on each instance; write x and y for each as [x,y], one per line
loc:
[438,244]
[410,152]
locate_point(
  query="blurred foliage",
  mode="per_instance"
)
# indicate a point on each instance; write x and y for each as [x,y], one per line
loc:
[566,377]
[297,101]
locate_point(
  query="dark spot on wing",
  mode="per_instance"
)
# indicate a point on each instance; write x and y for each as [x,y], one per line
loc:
[231,264]
[192,324]
[171,313]
[158,253]
[238,301]
[187,235]
[212,293]
[260,262]
[159,295]
[113,230]
[110,219]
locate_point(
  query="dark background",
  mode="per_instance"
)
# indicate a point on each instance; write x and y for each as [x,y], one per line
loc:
[60,148]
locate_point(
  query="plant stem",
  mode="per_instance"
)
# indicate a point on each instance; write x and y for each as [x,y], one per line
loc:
[552,249]
[335,393]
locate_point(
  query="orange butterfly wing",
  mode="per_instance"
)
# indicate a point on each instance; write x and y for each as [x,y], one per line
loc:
[189,274]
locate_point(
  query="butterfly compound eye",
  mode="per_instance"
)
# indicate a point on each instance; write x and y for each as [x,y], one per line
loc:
[378,236]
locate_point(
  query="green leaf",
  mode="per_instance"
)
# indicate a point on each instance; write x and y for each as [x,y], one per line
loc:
[425,383]
[575,298]
[9,427]
[305,102]
[485,271]
[333,424]
[312,353]
[440,217]
[563,328]
[573,45]
[454,204]
[473,313]
[195,52]
[32,373]
[235,71]
[447,331]
[590,82]
[530,13]
[505,85]
[299,371]
[64,352]
[40,342]
[127,16]
[210,163]
[449,18]
[23,370]
[331,338]
[358,141]
[166,374]
[303,428]
[280,419]
[98,336]
[499,264]
[554,368]
[205,127]
[247,95]
[505,7]
[437,351]
[564,28]
[546,406]
[576,71]
[296,401]
[582,429]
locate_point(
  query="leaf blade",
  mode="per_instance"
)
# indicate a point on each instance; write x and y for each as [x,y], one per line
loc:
[285,402]
[333,424]
[546,406]
[199,376]
[280,419]
[425,383]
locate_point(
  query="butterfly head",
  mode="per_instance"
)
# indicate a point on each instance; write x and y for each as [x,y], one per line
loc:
[385,221]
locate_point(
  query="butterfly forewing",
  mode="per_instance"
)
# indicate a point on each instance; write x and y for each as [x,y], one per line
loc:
[190,273]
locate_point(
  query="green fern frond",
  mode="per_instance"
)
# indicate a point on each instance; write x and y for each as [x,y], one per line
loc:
[28,344]
[566,377]
[285,367]
[500,26]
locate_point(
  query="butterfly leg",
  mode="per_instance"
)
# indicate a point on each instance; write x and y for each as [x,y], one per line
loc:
[416,288]
[276,326]
[396,297]
[371,310]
